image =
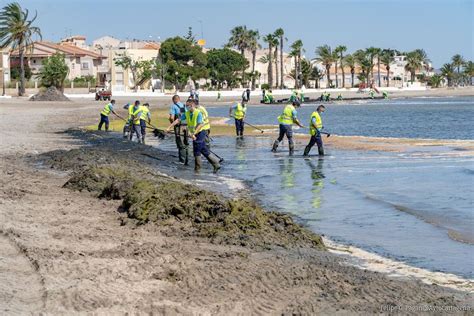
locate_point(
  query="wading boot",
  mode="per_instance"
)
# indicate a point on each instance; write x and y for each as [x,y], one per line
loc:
[275,146]
[214,162]
[181,155]
[143,140]
[292,149]
[306,151]
[321,151]
[197,163]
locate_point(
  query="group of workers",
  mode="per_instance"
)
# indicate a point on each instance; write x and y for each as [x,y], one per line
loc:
[191,121]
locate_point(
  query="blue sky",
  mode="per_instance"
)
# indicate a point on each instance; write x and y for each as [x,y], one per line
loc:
[442,28]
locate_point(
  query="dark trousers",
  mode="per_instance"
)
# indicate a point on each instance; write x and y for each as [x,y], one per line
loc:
[239,127]
[288,131]
[143,128]
[104,119]
[315,139]
[200,146]
[181,138]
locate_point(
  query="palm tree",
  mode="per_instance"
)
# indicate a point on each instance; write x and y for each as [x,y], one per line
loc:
[316,75]
[378,54]
[296,50]
[416,59]
[448,71]
[239,38]
[280,33]
[364,60]
[276,41]
[326,56]
[269,39]
[435,81]
[16,32]
[458,61]
[253,46]
[469,71]
[350,62]
[387,57]
[341,49]
[372,52]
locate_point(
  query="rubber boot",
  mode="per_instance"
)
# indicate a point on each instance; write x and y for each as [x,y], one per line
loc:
[143,140]
[306,151]
[214,162]
[321,151]
[275,146]
[197,163]
[292,149]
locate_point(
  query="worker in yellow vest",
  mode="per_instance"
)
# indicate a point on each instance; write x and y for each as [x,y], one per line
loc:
[139,118]
[238,111]
[286,120]
[127,128]
[315,128]
[104,115]
[205,119]
[197,130]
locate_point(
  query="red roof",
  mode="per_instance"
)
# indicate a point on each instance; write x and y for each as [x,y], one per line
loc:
[45,49]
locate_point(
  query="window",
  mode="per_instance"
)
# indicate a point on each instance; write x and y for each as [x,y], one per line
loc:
[85,65]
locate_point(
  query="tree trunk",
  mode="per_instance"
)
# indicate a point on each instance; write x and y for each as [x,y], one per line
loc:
[300,80]
[276,67]
[281,63]
[388,76]
[254,55]
[296,72]
[343,74]
[270,70]
[335,66]
[328,74]
[21,88]
[243,69]
[378,70]
[352,78]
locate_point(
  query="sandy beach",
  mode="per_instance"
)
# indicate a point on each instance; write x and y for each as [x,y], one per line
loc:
[64,250]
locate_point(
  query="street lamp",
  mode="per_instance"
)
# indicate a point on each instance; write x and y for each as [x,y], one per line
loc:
[176,80]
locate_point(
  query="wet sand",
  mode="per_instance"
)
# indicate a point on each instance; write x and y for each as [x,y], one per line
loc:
[81,255]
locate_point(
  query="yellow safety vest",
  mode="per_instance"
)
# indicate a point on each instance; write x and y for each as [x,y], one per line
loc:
[205,118]
[145,111]
[319,123]
[192,122]
[131,109]
[286,117]
[106,111]
[136,118]
[240,111]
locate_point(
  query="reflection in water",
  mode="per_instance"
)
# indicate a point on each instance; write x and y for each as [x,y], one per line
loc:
[287,183]
[241,154]
[317,177]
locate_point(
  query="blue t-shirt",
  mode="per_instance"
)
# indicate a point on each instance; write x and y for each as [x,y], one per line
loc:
[175,109]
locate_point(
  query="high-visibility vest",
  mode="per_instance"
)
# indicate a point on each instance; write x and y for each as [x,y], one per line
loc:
[192,122]
[106,111]
[286,117]
[313,130]
[145,111]
[136,117]
[240,111]
[205,118]
[131,109]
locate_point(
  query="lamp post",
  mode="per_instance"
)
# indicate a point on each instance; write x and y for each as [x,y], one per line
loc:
[176,81]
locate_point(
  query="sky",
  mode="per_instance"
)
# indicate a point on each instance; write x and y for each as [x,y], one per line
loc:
[441,27]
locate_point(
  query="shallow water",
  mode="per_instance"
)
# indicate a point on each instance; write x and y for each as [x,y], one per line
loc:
[415,206]
[436,118]
[405,206]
